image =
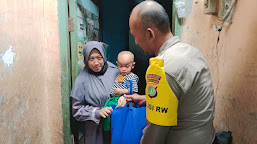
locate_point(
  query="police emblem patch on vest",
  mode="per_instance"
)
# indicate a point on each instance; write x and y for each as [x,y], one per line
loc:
[153,80]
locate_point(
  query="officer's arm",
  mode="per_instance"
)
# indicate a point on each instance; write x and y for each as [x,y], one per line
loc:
[175,87]
[154,134]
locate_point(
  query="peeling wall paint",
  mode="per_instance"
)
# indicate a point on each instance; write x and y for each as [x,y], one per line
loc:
[8,56]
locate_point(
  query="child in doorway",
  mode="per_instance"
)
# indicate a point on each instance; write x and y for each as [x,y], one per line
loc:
[125,62]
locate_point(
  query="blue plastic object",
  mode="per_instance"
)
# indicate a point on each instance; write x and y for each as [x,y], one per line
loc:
[130,87]
[127,124]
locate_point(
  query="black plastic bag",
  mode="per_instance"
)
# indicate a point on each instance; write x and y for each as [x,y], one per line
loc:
[224,137]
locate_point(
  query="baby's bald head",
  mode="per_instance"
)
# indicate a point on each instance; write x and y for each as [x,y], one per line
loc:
[125,56]
[125,62]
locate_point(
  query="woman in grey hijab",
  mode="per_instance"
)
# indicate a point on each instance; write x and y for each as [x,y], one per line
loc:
[90,92]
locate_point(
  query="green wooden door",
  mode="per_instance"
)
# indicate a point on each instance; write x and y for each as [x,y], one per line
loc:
[65,68]
[85,17]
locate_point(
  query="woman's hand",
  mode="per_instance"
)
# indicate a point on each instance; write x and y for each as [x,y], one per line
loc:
[139,99]
[105,112]
[121,102]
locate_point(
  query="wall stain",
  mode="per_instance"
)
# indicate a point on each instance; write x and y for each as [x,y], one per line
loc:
[27,141]
[254,114]
[233,101]
[2,100]
[18,116]
[221,125]
[9,132]
[3,18]
[188,7]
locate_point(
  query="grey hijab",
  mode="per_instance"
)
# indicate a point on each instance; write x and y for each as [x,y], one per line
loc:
[89,47]
[91,88]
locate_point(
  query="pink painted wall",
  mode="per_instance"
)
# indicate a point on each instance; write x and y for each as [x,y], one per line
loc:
[30,75]
[233,64]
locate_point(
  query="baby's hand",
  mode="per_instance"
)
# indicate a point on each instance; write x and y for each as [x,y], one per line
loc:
[119,91]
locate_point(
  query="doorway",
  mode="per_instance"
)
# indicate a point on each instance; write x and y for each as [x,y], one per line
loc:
[101,20]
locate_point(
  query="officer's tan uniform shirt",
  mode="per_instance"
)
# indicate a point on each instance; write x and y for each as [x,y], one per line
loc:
[188,75]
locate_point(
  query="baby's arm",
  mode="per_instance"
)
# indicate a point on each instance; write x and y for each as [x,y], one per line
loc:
[119,91]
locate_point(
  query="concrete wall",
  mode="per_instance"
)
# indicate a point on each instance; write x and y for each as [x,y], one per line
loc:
[233,64]
[30,84]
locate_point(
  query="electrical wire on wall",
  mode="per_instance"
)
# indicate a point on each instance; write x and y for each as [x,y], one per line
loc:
[233,3]
[228,12]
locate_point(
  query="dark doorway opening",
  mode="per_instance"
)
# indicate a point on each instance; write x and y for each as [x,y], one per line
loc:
[114,31]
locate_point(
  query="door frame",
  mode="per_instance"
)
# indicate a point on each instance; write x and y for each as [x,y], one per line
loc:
[65,68]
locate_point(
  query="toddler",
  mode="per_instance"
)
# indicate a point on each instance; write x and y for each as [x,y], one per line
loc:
[125,62]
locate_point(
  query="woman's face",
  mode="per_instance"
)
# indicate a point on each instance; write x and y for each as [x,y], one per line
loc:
[95,61]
